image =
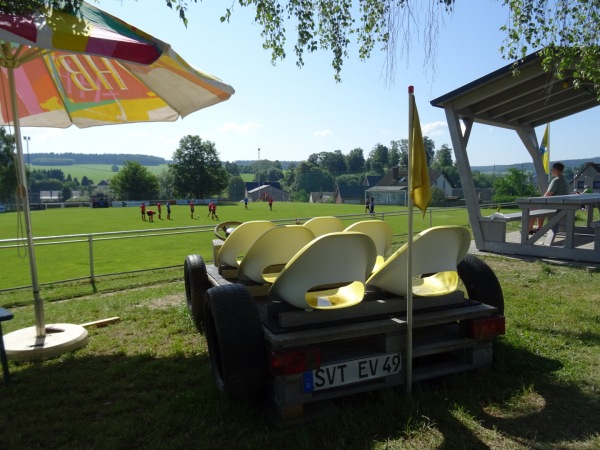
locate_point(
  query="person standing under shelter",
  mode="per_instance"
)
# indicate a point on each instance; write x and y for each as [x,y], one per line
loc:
[158,207]
[143,209]
[192,208]
[372,206]
[558,186]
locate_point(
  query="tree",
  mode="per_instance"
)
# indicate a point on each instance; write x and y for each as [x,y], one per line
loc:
[232,168]
[84,181]
[567,31]
[166,184]
[134,182]
[355,160]
[394,154]
[312,178]
[378,159]
[66,192]
[451,173]
[442,158]
[429,149]
[236,188]
[515,183]
[8,173]
[196,168]
[483,180]
[271,174]
[403,153]
[334,162]
[114,168]
[350,180]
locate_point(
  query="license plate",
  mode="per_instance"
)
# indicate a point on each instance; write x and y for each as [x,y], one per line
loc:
[353,371]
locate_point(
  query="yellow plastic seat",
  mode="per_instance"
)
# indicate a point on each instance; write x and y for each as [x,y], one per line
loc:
[272,251]
[328,273]
[382,234]
[436,251]
[240,240]
[324,225]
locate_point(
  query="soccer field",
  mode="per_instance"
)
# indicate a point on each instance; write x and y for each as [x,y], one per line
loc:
[137,250]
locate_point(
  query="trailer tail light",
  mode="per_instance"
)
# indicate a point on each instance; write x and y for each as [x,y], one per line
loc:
[486,328]
[287,362]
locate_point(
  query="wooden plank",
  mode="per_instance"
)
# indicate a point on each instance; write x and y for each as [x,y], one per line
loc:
[366,309]
[101,323]
[575,254]
[382,326]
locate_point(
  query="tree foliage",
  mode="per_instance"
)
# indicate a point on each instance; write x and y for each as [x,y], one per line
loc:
[166,184]
[197,170]
[442,158]
[8,171]
[355,160]
[134,182]
[566,29]
[236,188]
[311,178]
[515,183]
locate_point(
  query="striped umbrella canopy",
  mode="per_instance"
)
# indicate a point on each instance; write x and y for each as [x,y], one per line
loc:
[87,68]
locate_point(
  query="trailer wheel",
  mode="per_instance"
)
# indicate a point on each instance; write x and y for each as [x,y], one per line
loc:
[196,284]
[235,340]
[481,282]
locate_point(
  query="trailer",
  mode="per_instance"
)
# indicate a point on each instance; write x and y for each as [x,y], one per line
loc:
[297,359]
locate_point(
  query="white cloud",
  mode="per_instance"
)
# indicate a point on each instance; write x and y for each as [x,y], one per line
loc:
[322,133]
[434,128]
[235,127]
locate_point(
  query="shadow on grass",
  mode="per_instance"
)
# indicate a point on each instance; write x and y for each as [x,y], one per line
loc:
[121,401]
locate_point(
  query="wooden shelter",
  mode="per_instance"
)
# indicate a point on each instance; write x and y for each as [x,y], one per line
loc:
[519,97]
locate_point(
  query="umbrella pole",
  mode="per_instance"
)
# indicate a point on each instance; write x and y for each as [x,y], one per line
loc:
[38,304]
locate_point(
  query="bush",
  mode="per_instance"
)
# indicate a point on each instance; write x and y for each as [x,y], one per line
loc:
[437,197]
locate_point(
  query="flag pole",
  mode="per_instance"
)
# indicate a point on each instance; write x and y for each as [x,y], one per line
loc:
[409,294]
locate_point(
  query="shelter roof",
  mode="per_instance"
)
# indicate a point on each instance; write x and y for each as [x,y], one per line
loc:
[530,98]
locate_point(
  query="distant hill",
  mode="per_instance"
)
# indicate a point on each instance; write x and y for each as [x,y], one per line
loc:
[573,163]
[66,159]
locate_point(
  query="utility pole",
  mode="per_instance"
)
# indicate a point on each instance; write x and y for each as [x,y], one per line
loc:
[258,168]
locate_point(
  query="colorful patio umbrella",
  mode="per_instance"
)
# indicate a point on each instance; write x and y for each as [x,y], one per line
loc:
[88,68]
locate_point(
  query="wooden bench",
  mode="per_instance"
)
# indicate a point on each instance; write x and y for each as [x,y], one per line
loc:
[513,217]
[596,227]
[4,315]
[494,227]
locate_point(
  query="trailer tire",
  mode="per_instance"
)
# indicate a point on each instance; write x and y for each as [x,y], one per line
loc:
[196,284]
[481,282]
[235,341]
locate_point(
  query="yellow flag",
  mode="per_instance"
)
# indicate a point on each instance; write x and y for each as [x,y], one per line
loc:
[420,186]
[545,149]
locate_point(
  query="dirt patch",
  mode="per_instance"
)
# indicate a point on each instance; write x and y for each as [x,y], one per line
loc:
[167,301]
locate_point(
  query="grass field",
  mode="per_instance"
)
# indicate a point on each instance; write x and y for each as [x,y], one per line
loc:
[96,172]
[145,382]
[68,261]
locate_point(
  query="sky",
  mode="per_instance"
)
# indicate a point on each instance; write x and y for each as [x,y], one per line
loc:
[290,112]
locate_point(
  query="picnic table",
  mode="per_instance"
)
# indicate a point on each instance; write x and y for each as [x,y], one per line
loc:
[566,206]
